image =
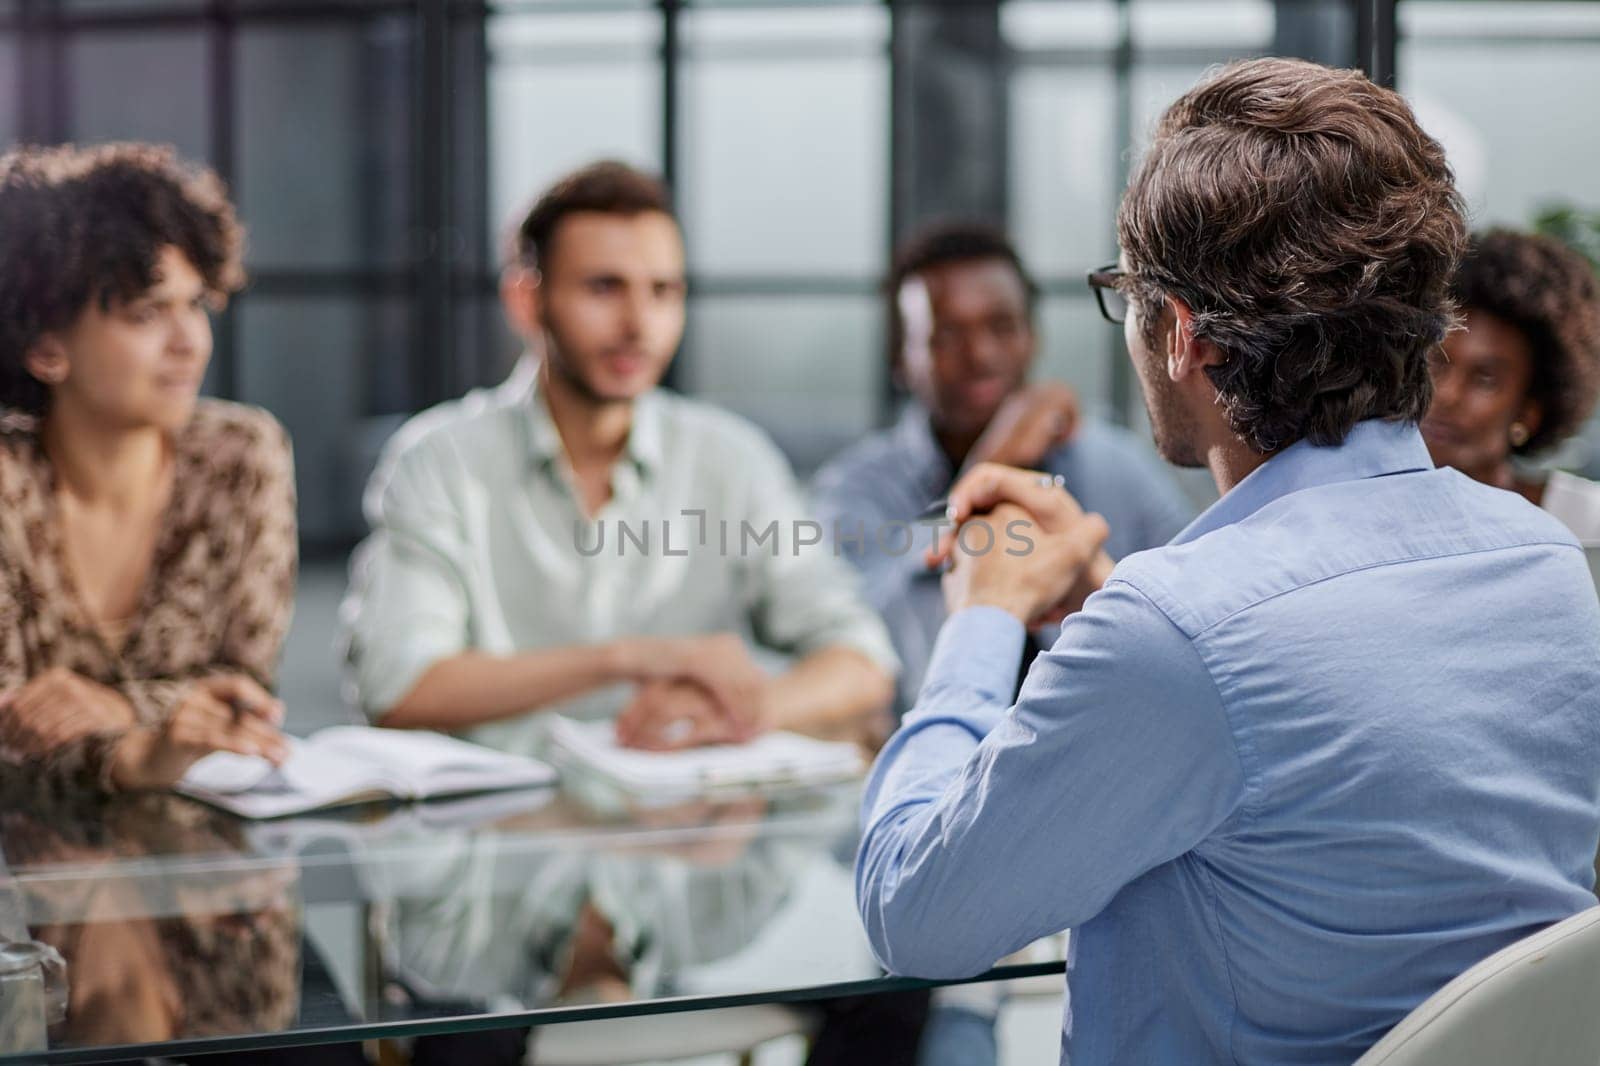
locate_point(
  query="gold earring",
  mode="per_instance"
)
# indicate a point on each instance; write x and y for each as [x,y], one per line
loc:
[1519,434]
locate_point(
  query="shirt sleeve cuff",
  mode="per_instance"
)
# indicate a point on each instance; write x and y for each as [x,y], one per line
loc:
[383,678]
[978,651]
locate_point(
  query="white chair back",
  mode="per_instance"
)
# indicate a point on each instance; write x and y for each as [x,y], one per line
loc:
[1534,1003]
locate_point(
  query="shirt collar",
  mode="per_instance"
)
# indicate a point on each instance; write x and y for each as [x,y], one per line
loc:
[645,445]
[1373,448]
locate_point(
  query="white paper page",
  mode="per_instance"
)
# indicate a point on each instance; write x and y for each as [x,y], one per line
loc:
[310,778]
[770,759]
[224,773]
[430,764]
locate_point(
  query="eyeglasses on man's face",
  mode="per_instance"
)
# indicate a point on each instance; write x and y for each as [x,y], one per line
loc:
[1107,282]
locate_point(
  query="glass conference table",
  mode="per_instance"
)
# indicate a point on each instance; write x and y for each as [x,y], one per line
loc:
[145,926]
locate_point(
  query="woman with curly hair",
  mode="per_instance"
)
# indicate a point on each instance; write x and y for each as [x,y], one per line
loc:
[1522,376]
[147,537]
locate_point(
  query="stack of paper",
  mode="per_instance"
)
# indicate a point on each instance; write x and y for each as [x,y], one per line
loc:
[773,759]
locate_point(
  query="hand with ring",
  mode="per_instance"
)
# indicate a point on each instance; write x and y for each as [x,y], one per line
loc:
[1044,556]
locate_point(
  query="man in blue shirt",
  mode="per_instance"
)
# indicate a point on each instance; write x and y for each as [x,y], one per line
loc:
[1287,776]
[963,341]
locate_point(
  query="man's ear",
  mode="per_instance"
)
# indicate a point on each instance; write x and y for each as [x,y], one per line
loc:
[47,360]
[1186,354]
[521,301]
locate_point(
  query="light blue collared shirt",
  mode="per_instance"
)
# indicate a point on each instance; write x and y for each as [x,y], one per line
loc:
[1284,777]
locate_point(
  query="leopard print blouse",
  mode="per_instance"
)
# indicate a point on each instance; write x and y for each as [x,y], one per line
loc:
[217,598]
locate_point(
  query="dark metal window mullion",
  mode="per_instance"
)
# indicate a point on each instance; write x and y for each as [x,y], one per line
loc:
[888,388]
[483,318]
[430,357]
[671,87]
[1122,65]
[222,32]
[1375,39]
[42,95]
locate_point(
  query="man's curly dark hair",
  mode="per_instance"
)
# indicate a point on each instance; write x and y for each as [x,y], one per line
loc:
[87,224]
[1312,227]
[1551,294]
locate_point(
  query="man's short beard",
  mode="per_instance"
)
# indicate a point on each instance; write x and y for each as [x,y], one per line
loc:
[555,350]
[1177,449]
[1171,426]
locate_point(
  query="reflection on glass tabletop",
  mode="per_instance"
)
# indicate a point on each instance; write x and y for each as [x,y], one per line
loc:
[183,929]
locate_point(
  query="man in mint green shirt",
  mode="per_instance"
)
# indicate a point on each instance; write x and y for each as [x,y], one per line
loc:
[581,541]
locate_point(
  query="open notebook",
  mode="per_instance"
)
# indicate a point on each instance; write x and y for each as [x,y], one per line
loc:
[357,764]
[773,759]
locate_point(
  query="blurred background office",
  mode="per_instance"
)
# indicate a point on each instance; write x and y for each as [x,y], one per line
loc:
[377,149]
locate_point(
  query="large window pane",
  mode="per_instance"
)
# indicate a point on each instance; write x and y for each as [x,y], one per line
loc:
[1068,157]
[785,140]
[302,359]
[1177,42]
[139,85]
[807,369]
[1086,27]
[565,90]
[822,4]
[1155,85]
[1515,153]
[1064,173]
[1230,27]
[324,127]
[1077,346]
[1510,90]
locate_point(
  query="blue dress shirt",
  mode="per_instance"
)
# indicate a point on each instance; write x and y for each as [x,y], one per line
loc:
[1284,777]
[893,475]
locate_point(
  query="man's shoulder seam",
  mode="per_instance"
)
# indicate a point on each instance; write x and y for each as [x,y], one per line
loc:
[1378,564]
[1243,749]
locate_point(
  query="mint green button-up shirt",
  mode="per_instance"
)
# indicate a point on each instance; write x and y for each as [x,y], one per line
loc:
[479,542]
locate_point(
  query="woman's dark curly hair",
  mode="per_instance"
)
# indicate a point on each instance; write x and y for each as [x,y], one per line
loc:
[1551,294]
[88,224]
[1313,228]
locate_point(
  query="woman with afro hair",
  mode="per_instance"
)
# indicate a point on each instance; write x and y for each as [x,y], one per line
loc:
[1521,377]
[147,536]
